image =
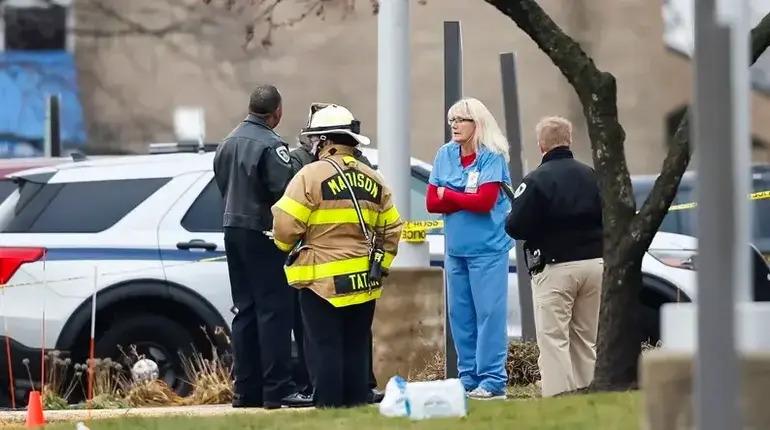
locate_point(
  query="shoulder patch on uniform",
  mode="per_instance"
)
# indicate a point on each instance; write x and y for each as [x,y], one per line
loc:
[349,161]
[519,191]
[283,154]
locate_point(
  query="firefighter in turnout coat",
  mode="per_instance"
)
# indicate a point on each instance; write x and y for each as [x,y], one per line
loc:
[342,231]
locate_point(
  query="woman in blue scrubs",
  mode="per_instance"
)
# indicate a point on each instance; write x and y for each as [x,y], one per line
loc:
[465,186]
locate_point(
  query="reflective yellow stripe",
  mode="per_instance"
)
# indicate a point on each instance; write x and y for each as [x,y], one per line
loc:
[295,274]
[294,208]
[341,216]
[389,217]
[355,299]
[283,246]
[388,260]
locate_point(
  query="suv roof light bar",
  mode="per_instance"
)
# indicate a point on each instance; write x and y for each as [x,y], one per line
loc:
[178,147]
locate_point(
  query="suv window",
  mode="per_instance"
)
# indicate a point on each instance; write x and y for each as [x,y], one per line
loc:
[6,188]
[205,214]
[685,221]
[682,221]
[78,207]
[417,189]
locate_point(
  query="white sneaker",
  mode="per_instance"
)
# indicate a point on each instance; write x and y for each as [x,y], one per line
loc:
[482,394]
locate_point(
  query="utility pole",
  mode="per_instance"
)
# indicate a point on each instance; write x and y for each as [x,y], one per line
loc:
[721,137]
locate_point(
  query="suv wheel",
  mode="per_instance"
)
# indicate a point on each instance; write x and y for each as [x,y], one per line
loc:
[158,338]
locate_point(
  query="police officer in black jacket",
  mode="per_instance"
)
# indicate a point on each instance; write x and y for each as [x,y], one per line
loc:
[252,168]
[557,211]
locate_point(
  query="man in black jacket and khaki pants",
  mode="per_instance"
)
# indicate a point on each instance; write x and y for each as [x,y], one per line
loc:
[557,211]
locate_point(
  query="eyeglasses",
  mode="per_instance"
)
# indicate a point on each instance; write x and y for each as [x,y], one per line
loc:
[458,120]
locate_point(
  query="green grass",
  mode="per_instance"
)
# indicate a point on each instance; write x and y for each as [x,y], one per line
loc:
[594,412]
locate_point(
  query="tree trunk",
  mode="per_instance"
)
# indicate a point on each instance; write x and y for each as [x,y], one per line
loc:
[618,346]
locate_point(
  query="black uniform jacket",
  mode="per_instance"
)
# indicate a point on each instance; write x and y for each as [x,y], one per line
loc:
[252,168]
[557,209]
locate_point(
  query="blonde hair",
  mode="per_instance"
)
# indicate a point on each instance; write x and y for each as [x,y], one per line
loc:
[487,131]
[553,131]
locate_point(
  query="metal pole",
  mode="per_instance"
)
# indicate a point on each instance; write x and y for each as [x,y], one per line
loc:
[393,100]
[453,70]
[55,106]
[721,190]
[453,91]
[516,166]
[394,118]
[52,141]
[741,145]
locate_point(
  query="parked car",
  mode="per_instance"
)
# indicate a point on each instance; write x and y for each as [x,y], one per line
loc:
[684,219]
[145,232]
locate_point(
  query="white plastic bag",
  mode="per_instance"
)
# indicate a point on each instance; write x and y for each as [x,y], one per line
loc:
[421,400]
[394,404]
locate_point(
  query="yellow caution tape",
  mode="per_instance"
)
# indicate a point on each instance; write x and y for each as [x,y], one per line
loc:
[417,231]
[760,195]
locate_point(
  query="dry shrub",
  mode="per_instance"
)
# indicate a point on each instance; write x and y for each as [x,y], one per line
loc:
[211,379]
[522,363]
[152,393]
[53,401]
[109,384]
[110,381]
[433,370]
[61,381]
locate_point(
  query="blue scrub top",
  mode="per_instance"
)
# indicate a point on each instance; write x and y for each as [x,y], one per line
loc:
[470,234]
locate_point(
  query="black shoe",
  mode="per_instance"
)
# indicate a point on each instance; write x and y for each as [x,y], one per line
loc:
[375,396]
[294,400]
[240,401]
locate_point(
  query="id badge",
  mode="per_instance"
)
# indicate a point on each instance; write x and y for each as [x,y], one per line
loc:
[472,186]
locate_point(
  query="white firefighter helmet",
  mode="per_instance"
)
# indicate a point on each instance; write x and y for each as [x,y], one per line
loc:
[333,119]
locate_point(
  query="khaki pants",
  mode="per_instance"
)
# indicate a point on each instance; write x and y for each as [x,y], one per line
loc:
[566,300]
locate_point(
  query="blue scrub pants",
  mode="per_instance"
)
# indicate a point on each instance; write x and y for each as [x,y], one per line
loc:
[478,307]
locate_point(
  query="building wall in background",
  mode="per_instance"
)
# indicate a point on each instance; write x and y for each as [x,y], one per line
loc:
[131,84]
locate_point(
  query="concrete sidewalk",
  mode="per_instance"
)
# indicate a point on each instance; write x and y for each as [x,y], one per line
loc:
[19,417]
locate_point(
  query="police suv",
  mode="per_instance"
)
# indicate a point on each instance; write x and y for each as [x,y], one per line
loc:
[145,232]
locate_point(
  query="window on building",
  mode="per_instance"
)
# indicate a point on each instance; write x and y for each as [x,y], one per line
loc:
[35,28]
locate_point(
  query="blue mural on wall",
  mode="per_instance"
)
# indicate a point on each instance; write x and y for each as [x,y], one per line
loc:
[26,79]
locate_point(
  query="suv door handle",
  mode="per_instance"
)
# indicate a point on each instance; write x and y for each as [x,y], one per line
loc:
[196,244]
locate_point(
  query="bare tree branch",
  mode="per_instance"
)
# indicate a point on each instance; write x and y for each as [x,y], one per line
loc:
[263,14]
[128,26]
